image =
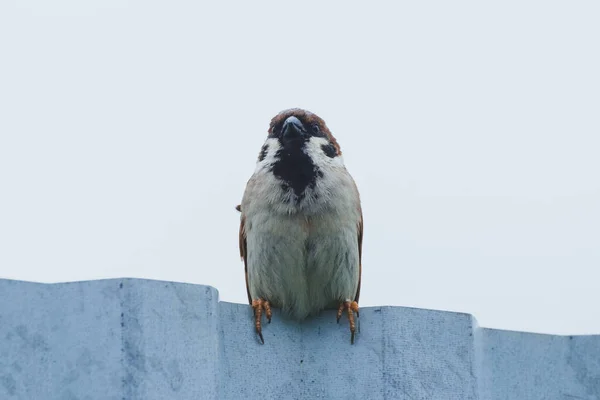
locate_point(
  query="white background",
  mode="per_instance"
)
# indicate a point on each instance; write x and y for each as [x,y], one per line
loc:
[128,130]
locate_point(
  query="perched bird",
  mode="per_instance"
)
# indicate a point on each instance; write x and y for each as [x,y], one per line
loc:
[301,224]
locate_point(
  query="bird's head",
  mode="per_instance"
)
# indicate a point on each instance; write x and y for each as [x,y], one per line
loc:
[299,151]
[296,127]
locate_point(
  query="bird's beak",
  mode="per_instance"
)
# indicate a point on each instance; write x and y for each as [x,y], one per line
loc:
[293,129]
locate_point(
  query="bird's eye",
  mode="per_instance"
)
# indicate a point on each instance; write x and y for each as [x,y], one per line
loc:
[276,130]
[315,128]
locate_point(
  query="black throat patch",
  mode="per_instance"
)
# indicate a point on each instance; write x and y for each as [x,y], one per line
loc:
[295,168]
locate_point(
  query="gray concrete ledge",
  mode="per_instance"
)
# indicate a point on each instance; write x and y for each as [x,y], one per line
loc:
[143,339]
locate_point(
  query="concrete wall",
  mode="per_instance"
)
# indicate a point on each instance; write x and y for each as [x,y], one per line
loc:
[141,339]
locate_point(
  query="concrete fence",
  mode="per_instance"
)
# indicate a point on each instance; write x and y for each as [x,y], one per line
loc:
[143,339]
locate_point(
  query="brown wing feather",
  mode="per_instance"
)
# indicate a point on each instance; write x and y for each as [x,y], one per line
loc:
[360,239]
[244,255]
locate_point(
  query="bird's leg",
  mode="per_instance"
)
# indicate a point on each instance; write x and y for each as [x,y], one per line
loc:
[258,305]
[268,312]
[351,308]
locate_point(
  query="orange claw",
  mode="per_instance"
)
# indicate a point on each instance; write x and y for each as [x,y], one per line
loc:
[340,311]
[268,311]
[351,308]
[258,305]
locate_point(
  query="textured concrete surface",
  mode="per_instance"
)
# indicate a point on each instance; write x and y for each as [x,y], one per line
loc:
[142,339]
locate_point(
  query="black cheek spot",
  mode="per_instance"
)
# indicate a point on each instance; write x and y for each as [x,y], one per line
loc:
[329,150]
[263,152]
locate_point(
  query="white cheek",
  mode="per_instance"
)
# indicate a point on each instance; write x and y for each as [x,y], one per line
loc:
[315,151]
[273,146]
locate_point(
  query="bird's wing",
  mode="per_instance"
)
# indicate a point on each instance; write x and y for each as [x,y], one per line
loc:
[360,239]
[244,254]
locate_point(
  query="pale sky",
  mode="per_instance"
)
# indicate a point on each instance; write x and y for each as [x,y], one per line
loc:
[128,130]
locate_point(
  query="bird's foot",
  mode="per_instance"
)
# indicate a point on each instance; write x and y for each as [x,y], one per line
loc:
[351,308]
[258,305]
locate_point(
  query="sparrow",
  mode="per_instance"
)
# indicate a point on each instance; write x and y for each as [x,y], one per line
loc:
[301,224]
